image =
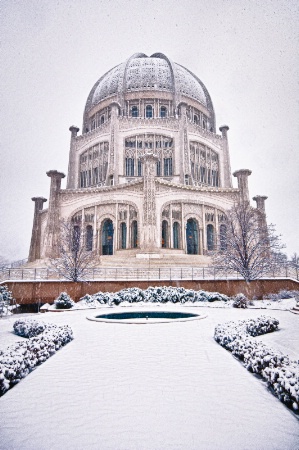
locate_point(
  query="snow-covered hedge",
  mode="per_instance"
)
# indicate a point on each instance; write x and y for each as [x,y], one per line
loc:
[162,294]
[19,359]
[64,301]
[283,294]
[281,374]
[240,301]
[30,327]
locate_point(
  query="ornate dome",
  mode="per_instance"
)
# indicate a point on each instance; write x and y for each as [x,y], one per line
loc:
[155,73]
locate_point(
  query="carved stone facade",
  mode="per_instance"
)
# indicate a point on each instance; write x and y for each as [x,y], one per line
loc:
[149,174]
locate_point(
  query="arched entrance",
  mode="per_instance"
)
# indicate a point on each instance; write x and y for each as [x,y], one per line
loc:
[123,235]
[134,234]
[164,234]
[107,237]
[192,237]
[176,239]
[210,237]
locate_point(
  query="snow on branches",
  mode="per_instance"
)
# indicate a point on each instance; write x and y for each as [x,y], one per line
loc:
[247,245]
[75,259]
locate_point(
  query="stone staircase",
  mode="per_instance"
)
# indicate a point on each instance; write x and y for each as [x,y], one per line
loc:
[154,260]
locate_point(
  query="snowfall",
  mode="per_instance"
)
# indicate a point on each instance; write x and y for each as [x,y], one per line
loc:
[155,386]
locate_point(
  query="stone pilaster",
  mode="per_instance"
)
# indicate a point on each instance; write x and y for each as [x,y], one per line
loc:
[34,252]
[150,235]
[53,225]
[227,178]
[113,170]
[183,144]
[72,177]
[242,176]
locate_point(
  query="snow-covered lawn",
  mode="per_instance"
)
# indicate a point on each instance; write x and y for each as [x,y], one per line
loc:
[145,387]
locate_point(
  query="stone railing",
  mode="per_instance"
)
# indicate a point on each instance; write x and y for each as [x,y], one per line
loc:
[142,273]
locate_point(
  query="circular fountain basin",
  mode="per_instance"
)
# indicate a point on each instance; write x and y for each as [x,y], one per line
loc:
[145,317]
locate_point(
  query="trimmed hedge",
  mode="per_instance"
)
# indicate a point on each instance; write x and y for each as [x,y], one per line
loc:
[64,301]
[162,294]
[19,359]
[281,373]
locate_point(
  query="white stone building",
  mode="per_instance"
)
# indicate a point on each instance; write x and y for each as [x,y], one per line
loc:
[149,176]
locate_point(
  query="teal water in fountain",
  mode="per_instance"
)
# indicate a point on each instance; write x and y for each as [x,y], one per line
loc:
[147,315]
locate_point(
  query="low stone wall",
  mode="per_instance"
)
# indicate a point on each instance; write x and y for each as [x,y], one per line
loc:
[30,292]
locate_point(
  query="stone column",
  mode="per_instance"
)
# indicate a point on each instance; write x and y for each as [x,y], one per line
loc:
[260,206]
[226,175]
[242,176]
[149,230]
[94,238]
[204,236]
[34,252]
[260,202]
[73,175]
[53,225]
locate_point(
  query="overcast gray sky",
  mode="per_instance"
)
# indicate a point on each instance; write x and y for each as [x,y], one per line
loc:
[52,52]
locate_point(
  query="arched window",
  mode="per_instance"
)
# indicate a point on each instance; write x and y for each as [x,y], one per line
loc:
[163,111]
[195,118]
[102,119]
[134,234]
[149,111]
[192,237]
[167,167]
[210,237]
[89,237]
[129,167]
[176,239]
[123,235]
[204,125]
[76,238]
[107,237]
[134,111]
[139,168]
[223,237]
[158,168]
[164,234]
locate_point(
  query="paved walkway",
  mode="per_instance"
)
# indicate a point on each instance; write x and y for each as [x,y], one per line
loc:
[147,387]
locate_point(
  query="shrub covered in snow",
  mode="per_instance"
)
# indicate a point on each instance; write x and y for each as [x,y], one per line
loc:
[240,301]
[29,327]
[281,374]
[6,299]
[19,359]
[283,294]
[156,294]
[64,301]
[5,294]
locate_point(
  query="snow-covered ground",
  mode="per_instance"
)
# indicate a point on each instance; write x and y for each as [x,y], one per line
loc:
[145,387]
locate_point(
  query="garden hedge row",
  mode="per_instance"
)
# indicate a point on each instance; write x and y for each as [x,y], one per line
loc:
[281,373]
[19,359]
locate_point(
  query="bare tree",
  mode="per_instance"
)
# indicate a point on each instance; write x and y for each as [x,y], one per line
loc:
[247,245]
[294,263]
[3,263]
[75,256]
